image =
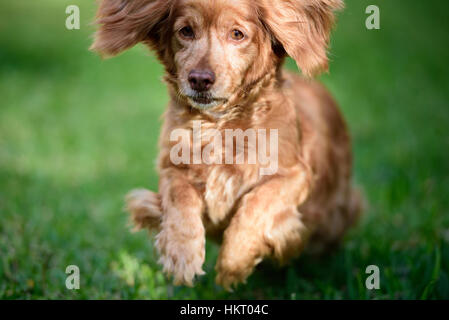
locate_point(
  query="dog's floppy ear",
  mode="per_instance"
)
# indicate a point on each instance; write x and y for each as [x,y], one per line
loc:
[124,23]
[302,27]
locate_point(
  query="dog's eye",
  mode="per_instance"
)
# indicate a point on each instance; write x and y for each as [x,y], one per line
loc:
[187,32]
[237,35]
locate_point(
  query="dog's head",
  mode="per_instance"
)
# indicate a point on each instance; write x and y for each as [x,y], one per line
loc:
[213,49]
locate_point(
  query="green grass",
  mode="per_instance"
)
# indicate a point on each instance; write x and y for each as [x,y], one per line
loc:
[77,133]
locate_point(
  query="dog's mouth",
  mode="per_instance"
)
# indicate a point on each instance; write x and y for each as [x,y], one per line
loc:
[205,99]
[202,99]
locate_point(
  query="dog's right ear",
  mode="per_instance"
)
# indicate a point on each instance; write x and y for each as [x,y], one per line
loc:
[302,27]
[124,23]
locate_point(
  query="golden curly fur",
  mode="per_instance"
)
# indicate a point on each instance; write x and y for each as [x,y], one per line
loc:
[243,43]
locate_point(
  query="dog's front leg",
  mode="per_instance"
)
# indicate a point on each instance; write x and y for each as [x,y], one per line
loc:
[267,222]
[181,240]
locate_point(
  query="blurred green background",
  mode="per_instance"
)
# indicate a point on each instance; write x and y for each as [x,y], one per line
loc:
[77,133]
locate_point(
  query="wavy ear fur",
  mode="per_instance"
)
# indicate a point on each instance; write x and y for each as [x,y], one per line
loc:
[124,23]
[302,27]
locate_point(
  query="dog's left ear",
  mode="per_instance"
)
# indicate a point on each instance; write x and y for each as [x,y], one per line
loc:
[302,27]
[124,23]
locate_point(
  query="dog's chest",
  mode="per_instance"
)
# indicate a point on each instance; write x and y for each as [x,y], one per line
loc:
[224,186]
[223,165]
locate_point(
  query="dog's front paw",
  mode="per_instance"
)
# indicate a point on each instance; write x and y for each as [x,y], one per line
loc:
[181,258]
[145,208]
[231,272]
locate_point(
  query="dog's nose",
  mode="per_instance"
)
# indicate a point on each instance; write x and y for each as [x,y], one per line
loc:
[201,80]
